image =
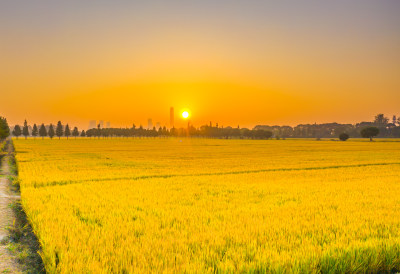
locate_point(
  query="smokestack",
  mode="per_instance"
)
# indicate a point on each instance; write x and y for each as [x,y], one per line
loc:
[171,117]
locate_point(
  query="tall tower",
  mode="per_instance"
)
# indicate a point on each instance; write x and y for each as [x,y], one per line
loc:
[150,123]
[92,124]
[171,117]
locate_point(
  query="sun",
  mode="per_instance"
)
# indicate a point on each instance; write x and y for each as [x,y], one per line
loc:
[185,115]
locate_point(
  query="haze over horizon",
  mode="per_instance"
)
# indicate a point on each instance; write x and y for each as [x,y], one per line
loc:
[231,62]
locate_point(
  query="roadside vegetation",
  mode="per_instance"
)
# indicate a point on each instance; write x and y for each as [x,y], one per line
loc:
[22,242]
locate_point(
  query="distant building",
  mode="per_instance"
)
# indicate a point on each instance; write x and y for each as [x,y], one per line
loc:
[149,124]
[108,125]
[171,117]
[158,125]
[101,123]
[92,124]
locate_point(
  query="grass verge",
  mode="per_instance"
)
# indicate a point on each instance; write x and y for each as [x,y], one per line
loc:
[21,241]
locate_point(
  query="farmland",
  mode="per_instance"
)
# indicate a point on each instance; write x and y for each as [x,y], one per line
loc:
[198,205]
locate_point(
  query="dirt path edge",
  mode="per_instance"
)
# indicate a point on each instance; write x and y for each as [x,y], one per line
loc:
[19,247]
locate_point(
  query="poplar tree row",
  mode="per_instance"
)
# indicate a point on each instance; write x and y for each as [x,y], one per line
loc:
[42,131]
[206,131]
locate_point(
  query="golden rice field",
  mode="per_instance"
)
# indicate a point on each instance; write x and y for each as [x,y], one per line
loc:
[193,205]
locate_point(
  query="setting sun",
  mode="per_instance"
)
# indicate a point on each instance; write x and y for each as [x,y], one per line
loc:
[185,114]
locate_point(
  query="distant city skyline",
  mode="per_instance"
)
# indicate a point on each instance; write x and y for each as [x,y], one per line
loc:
[108,124]
[101,123]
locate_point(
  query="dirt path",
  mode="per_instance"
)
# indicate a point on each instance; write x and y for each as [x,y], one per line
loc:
[7,262]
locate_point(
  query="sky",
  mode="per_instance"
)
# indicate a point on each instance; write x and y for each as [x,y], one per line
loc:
[233,62]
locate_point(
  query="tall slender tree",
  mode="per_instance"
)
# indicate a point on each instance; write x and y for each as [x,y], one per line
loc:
[75,132]
[83,133]
[98,131]
[42,131]
[17,131]
[34,131]
[67,132]
[59,130]
[25,130]
[51,131]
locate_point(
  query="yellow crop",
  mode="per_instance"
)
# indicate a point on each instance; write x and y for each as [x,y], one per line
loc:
[193,205]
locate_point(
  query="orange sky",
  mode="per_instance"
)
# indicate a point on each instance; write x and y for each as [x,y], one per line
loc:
[240,62]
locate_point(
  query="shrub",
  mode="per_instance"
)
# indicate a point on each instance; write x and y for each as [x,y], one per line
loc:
[344,136]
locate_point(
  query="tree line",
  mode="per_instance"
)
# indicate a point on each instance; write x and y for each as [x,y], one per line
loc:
[383,127]
[380,126]
[205,131]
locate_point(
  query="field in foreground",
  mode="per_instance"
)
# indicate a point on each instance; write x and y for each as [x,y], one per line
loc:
[173,205]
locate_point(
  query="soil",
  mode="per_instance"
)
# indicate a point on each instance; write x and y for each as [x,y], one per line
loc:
[8,263]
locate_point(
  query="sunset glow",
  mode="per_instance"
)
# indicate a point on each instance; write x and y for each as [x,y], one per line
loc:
[241,62]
